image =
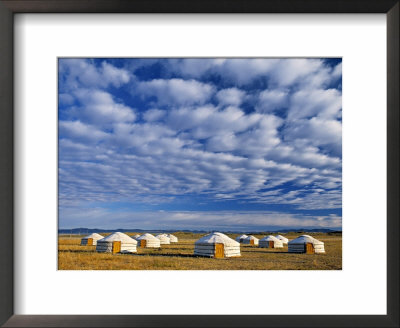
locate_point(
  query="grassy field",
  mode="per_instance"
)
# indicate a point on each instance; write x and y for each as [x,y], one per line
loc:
[179,256]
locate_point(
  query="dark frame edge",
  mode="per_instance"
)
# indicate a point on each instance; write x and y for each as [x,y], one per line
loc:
[7,316]
[188,321]
[6,165]
[203,6]
[393,164]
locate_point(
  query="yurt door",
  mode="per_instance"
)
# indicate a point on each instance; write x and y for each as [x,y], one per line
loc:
[271,244]
[142,243]
[251,242]
[116,247]
[90,241]
[310,248]
[219,251]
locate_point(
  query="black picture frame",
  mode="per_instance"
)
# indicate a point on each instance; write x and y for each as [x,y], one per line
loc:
[10,7]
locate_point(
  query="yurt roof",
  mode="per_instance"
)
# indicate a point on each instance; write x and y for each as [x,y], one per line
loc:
[242,236]
[162,236]
[119,236]
[270,238]
[147,236]
[251,238]
[281,237]
[306,239]
[170,235]
[217,238]
[94,236]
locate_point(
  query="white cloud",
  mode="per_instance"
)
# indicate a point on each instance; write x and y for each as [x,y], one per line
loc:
[187,118]
[316,132]
[238,71]
[337,71]
[81,72]
[210,220]
[270,100]
[307,156]
[229,120]
[175,91]
[309,73]
[80,131]
[321,103]
[258,141]
[138,135]
[192,67]
[243,71]
[99,107]
[154,115]
[231,96]
[207,121]
[224,142]
[113,75]
[289,71]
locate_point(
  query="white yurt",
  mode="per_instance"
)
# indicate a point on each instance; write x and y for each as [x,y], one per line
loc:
[172,238]
[216,245]
[91,239]
[306,244]
[164,239]
[240,239]
[284,240]
[136,236]
[270,242]
[117,242]
[251,240]
[148,240]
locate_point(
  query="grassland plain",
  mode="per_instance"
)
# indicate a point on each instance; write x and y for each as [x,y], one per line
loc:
[179,256]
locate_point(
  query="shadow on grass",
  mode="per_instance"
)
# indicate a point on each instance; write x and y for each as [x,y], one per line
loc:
[164,254]
[182,255]
[267,252]
[129,254]
[76,251]
[171,254]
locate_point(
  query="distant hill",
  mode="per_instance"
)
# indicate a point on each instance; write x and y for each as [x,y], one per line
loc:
[308,230]
[88,231]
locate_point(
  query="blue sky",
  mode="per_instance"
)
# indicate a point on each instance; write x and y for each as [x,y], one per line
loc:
[212,143]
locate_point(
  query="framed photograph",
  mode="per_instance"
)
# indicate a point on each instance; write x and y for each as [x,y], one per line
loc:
[231,158]
[203,158]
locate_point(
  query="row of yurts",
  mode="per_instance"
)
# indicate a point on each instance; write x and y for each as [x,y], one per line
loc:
[215,244]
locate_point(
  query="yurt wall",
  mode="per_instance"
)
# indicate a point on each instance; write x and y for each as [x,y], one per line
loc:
[149,241]
[117,242]
[91,240]
[306,244]
[216,245]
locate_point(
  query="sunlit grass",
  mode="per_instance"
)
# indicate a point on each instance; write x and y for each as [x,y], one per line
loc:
[179,256]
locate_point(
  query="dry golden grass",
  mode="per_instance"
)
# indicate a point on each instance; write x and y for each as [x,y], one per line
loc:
[179,256]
